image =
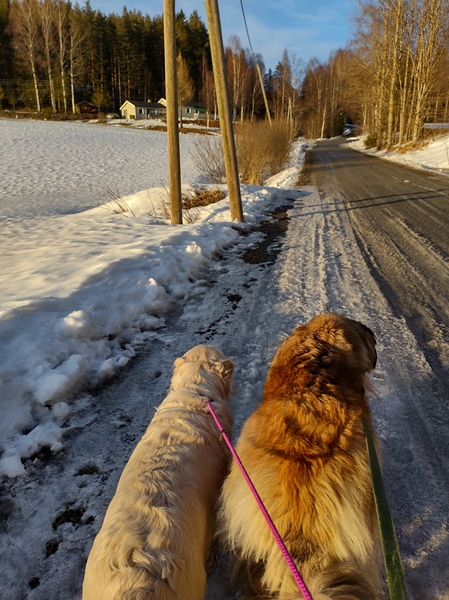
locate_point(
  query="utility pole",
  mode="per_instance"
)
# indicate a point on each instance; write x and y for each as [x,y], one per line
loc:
[224,110]
[262,87]
[171,92]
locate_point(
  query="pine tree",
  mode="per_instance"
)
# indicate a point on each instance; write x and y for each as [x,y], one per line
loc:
[5,42]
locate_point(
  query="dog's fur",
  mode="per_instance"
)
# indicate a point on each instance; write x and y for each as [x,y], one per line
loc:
[304,448]
[156,535]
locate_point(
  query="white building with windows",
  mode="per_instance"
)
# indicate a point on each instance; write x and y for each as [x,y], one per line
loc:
[136,109]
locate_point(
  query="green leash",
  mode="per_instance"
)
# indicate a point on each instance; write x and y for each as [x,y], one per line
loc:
[392,557]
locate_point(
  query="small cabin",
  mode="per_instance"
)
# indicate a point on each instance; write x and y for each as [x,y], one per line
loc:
[84,107]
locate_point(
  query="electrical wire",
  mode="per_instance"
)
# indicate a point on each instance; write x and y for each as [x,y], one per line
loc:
[247,31]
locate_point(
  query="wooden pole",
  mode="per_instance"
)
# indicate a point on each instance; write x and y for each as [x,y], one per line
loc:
[224,110]
[171,92]
[263,93]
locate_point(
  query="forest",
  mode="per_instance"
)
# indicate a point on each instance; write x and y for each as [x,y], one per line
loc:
[390,79]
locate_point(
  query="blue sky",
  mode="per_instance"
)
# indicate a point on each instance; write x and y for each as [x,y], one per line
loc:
[304,28]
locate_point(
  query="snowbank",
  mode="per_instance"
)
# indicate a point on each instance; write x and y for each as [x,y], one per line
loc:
[82,290]
[435,156]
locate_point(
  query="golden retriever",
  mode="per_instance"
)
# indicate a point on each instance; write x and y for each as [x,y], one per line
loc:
[304,448]
[157,531]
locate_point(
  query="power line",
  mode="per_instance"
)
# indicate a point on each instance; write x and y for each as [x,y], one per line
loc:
[257,66]
[247,32]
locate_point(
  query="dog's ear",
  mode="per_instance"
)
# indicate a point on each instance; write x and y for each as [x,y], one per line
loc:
[354,339]
[370,342]
[178,362]
[225,368]
[363,340]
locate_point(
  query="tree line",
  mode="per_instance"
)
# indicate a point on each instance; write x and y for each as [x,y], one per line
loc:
[391,78]
[55,54]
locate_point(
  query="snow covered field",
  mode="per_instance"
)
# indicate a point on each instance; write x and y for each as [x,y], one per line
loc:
[83,290]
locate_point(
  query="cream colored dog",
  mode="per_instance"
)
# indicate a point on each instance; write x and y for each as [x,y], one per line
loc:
[156,535]
[304,448]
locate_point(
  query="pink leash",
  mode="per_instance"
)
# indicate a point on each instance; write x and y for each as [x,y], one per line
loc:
[297,577]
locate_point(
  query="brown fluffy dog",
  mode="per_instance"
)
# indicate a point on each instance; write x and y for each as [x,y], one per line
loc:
[304,448]
[156,534]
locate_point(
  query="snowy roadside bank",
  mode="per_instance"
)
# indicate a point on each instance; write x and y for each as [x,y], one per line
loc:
[81,291]
[434,156]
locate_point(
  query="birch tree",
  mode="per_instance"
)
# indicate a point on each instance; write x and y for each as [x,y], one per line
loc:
[47,12]
[237,76]
[207,93]
[185,83]
[407,50]
[24,28]
[61,21]
[315,99]
[76,37]
[255,70]
[429,52]
[287,82]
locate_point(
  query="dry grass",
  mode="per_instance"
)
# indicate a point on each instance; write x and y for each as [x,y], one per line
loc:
[113,202]
[410,146]
[262,150]
[191,203]
[160,212]
[202,198]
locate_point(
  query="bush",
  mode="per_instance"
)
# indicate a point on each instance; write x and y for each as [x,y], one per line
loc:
[47,112]
[371,141]
[262,150]
[208,157]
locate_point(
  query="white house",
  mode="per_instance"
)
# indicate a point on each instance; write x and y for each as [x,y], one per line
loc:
[193,112]
[136,109]
[188,111]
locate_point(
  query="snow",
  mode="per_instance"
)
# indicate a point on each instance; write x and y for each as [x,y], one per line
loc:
[80,288]
[84,289]
[433,156]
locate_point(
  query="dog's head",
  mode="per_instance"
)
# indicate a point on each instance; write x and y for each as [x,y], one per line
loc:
[352,339]
[330,345]
[205,370]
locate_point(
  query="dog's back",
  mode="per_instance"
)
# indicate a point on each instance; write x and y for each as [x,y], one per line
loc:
[305,450]
[157,530]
